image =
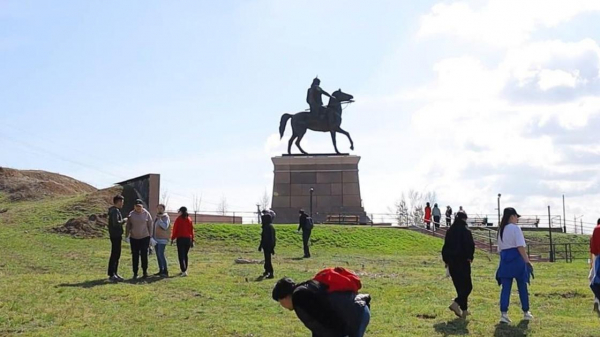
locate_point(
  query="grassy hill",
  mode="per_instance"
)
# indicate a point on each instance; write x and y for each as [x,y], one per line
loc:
[54,285]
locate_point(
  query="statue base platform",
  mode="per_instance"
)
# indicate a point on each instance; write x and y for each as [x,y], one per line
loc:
[336,188]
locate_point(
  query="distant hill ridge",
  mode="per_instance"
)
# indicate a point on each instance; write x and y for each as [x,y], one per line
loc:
[21,185]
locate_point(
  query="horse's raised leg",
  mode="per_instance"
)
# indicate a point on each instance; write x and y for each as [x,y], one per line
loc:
[344,132]
[334,142]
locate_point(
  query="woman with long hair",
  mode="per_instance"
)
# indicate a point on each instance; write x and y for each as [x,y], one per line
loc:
[514,264]
[183,232]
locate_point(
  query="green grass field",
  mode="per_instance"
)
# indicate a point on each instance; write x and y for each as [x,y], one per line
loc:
[54,285]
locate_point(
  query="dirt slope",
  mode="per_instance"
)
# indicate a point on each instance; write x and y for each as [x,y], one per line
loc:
[20,185]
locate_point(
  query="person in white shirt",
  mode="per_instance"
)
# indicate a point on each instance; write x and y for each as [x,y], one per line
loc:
[514,264]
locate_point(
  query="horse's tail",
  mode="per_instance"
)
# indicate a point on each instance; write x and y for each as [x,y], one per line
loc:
[283,123]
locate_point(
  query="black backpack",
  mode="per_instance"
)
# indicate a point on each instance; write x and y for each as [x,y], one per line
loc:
[310,224]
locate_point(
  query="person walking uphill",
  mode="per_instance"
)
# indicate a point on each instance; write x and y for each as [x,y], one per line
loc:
[457,254]
[115,231]
[139,230]
[448,215]
[437,216]
[306,225]
[514,264]
[428,216]
[183,232]
[268,241]
[162,234]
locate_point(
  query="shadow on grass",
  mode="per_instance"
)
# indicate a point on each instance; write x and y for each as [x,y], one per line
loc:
[104,281]
[507,330]
[451,328]
[295,258]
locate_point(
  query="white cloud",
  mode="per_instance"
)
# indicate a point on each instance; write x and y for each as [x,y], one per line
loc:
[549,79]
[502,23]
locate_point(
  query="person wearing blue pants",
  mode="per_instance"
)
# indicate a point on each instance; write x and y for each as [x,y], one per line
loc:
[162,233]
[514,264]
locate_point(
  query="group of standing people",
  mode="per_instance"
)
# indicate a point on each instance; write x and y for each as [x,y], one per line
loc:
[458,253]
[141,232]
[436,213]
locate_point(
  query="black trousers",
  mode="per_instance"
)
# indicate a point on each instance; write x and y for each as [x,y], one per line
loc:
[139,248]
[448,222]
[596,289]
[436,221]
[268,263]
[183,248]
[115,255]
[461,277]
[305,240]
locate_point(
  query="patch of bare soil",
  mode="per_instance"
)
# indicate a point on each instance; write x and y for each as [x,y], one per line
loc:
[93,226]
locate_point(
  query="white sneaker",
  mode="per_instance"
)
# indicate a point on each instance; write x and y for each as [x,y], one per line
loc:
[184,274]
[527,316]
[504,318]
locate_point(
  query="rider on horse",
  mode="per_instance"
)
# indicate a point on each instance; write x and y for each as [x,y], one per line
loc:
[313,97]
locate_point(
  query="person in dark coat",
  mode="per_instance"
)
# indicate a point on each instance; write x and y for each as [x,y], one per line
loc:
[336,314]
[457,253]
[115,231]
[267,242]
[306,227]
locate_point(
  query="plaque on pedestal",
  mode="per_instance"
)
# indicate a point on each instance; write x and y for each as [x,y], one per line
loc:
[334,182]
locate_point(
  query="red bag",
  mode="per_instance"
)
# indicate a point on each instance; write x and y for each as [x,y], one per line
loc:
[338,279]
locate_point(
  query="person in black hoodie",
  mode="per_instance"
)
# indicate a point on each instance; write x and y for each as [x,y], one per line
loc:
[457,253]
[305,225]
[115,231]
[325,314]
[267,242]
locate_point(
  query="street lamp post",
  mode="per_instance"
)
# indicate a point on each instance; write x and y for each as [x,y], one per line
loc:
[312,190]
[499,195]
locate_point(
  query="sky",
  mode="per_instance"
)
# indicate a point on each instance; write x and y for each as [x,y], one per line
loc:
[466,99]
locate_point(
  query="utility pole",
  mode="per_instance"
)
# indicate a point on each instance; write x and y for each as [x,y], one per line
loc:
[550,233]
[312,190]
[564,217]
[499,195]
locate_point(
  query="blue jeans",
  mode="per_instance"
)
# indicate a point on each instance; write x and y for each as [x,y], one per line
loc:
[364,322]
[160,256]
[505,294]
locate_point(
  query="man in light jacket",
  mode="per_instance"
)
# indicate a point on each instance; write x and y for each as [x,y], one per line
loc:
[139,230]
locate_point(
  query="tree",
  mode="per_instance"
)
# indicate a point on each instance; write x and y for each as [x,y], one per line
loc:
[164,199]
[196,203]
[222,207]
[401,211]
[264,200]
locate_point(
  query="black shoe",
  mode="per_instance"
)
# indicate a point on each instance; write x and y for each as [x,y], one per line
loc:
[265,273]
[159,273]
[307,256]
[270,276]
[145,276]
[135,276]
[119,278]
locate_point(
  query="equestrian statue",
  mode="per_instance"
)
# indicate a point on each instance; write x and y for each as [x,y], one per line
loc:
[318,118]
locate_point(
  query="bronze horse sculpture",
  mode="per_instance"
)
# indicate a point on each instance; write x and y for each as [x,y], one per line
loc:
[329,121]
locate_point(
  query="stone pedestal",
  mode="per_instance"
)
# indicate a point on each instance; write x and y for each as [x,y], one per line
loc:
[333,178]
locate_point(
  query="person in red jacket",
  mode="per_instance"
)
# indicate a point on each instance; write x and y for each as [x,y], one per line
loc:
[428,216]
[594,272]
[183,232]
